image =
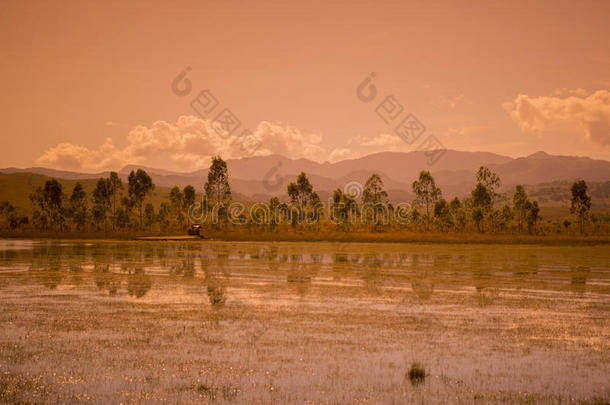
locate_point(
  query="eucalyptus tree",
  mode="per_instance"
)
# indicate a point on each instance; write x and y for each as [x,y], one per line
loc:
[216,189]
[115,185]
[189,196]
[139,186]
[489,180]
[8,211]
[519,205]
[482,203]
[301,194]
[375,201]
[458,213]
[274,213]
[164,215]
[176,200]
[344,208]
[442,214]
[101,201]
[47,205]
[149,215]
[580,203]
[426,193]
[532,215]
[78,206]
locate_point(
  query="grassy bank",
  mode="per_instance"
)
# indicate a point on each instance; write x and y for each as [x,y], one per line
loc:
[410,237]
[332,236]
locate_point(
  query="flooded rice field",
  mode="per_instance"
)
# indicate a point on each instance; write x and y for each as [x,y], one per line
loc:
[329,323]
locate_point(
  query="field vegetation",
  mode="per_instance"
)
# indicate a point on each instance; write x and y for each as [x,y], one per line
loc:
[108,208]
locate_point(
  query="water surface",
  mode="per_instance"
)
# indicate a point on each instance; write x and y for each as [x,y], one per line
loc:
[99,321]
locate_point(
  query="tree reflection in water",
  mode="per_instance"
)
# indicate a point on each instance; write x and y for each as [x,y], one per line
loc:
[299,274]
[215,279]
[579,278]
[371,274]
[50,274]
[340,265]
[271,253]
[106,280]
[138,282]
[216,292]
[423,268]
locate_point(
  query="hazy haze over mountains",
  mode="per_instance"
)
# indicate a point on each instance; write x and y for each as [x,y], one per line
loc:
[260,177]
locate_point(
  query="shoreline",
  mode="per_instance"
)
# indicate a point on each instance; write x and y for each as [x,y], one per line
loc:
[331,237]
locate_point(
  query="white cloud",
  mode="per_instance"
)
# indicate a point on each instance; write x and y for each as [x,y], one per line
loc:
[587,115]
[289,141]
[361,145]
[185,145]
[74,157]
[378,143]
[340,154]
[563,92]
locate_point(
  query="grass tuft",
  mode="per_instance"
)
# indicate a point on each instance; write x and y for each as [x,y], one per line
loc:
[416,374]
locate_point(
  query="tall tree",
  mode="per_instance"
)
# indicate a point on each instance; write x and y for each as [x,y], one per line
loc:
[217,189]
[47,202]
[477,217]
[10,215]
[344,208]
[490,180]
[581,203]
[164,215]
[481,197]
[149,215]
[189,196]
[189,200]
[374,197]
[115,185]
[458,213]
[482,202]
[442,213]
[124,212]
[316,208]
[139,186]
[176,199]
[532,215]
[274,213]
[301,193]
[78,206]
[426,192]
[507,216]
[101,200]
[519,200]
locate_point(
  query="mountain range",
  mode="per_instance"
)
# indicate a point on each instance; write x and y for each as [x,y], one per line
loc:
[258,178]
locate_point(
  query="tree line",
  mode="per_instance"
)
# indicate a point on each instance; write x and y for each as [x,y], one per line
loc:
[484,210]
[115,206]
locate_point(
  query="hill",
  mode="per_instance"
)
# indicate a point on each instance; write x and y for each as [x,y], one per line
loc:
[261,177]
[17,187]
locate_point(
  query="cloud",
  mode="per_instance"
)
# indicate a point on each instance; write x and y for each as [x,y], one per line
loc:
[340,154]
[185,145]
[74,157]
[563,92]
[362,145]
[587,115]
[289,141]
[380,142]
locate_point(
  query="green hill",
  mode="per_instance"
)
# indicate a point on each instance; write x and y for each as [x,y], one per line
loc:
[17,187]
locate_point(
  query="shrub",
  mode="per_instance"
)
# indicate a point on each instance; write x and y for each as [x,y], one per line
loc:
[416,374]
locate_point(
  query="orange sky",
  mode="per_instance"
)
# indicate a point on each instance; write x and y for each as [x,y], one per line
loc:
[506,77]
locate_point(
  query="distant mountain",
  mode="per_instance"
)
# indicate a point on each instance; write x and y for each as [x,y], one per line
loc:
[258,178]
[60,174]
[542,167]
